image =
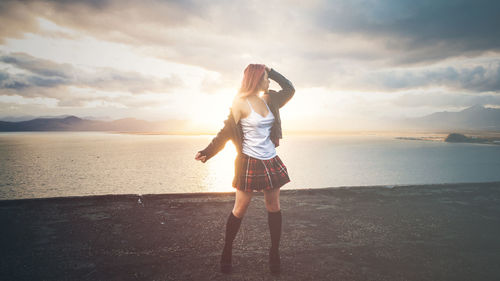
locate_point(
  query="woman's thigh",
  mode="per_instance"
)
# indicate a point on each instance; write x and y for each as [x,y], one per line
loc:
[272,198]
[241,203]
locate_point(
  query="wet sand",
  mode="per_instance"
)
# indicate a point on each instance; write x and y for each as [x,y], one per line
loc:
[430,232]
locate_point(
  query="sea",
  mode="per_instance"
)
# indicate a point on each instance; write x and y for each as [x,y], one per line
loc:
[59,164]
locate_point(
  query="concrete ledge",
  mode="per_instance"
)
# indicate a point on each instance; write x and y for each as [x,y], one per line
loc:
[428,232]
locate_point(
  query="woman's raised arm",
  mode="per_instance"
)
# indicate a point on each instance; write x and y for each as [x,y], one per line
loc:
[287,90]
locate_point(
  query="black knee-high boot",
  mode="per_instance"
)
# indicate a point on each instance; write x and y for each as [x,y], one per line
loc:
[274,220]
[232,227]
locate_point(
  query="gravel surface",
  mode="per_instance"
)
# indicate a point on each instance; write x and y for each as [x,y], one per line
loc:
[429,232]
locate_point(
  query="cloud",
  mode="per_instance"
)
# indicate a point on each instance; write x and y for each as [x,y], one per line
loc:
[387,47]
[37,66]
[445,100]
[221,36]
[478,78]
[39,77]
[134,23]
[3,76]
[417,31]
[321,37]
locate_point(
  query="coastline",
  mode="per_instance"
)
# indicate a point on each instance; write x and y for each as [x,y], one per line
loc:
[425,232]
[231,193]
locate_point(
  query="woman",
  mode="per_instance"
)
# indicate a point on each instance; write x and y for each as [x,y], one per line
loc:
[254,126]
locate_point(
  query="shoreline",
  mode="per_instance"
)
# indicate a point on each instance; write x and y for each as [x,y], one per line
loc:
[403,133]
[226,193]
[424,232]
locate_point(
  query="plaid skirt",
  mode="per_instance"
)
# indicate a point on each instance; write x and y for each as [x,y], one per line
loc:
[252,174]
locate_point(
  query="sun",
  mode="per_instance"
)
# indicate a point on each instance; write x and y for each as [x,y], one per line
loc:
[209,111]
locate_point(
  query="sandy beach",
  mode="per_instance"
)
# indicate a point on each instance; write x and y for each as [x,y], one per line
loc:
[429,232]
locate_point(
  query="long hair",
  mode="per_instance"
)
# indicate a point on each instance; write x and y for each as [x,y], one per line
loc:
[251,78]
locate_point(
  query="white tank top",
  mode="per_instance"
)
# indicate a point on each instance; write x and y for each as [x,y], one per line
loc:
[256,134]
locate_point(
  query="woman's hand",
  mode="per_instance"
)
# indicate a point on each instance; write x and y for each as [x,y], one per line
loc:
[267,69]
[198,157]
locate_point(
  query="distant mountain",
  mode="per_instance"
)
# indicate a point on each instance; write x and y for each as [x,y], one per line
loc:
[28,117]
[31,117]
[73,123]
[101,118]
[477,118]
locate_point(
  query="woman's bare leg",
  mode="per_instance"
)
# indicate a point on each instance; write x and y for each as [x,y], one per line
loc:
[241,203]
[272,198]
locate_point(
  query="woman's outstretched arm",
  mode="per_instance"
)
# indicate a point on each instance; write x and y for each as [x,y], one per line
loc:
[281,97]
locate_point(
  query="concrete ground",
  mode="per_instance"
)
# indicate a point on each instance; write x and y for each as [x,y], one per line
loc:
[430,232]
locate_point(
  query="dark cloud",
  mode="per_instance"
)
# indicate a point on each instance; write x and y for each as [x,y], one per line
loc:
[14,85]
[20,81]
[39,73]
[442,28]
[95,4]
[3,75]
[479,78]
[37,66]
[133,22]
[440,100]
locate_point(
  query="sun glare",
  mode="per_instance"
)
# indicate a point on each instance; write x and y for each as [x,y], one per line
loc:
[221,170]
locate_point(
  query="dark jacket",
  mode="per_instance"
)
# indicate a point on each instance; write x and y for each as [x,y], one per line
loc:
[232,131]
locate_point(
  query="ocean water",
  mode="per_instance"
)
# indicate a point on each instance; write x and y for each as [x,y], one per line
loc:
[54,164]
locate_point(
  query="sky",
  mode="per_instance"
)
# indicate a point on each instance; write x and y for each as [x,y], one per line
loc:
[354,64]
